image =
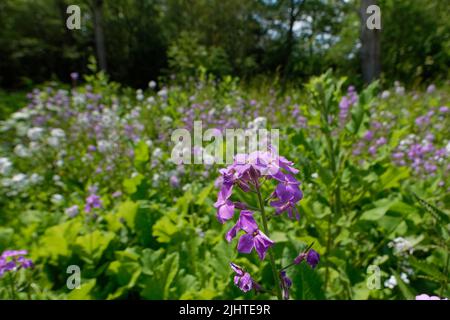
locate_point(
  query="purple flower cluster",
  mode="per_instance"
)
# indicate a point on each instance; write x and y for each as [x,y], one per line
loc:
[423,156]
[13,260]
[243,279]
[373,139]
[420,151]
[346,103]
[248,172]
[300,120]
[92,201]
[253,237]
[312,257]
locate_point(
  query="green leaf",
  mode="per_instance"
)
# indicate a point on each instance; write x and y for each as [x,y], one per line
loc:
[127,210]
[166,227]
[404,289]
[150,260]
[158,286]
[5,237]
[307,284]
[428,269]
[84,293]
[141,153]
[203,195]
[379,211]
[392,177]
[131,185]
[57,240]
[91,246]
[436,212]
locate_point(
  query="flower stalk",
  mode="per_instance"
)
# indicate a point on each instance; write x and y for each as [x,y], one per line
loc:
[275,273]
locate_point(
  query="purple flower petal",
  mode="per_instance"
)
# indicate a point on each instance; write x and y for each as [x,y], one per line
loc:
[245,244]
[262,244]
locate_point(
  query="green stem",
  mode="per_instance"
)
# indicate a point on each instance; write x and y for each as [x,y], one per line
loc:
[276,276]
[336,205]
[11,284]
[444,285]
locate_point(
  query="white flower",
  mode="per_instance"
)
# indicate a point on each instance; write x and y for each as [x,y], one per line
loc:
[19,178]
[58,133]
[157,153]
[167,119]
[391,282]
[156,178]
[404,277]
[35,178]
[103,145]
[57,198]
[400,90]
[315,175]
[79,99]
[228,109]
[5,166]
[162,93]
[34,146]
[401,246]
[6,182]
[35,133]
[385,94]
[212,112]
[152,84]
[447,149]
[139,95]
[258,123]
[53,141]
[20,115]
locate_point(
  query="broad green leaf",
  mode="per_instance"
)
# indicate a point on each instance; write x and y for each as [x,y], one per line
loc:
[158,286]
[56,240]
[84,293]
[203,195]
[91,246]
[392,177]
[141,153]
[127,210]
[428,269]
[131,185]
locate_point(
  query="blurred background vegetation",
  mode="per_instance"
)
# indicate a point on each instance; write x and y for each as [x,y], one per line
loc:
[140,40]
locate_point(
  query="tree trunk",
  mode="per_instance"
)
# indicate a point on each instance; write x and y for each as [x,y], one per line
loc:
[293,15]
[99,37]
[370,46]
